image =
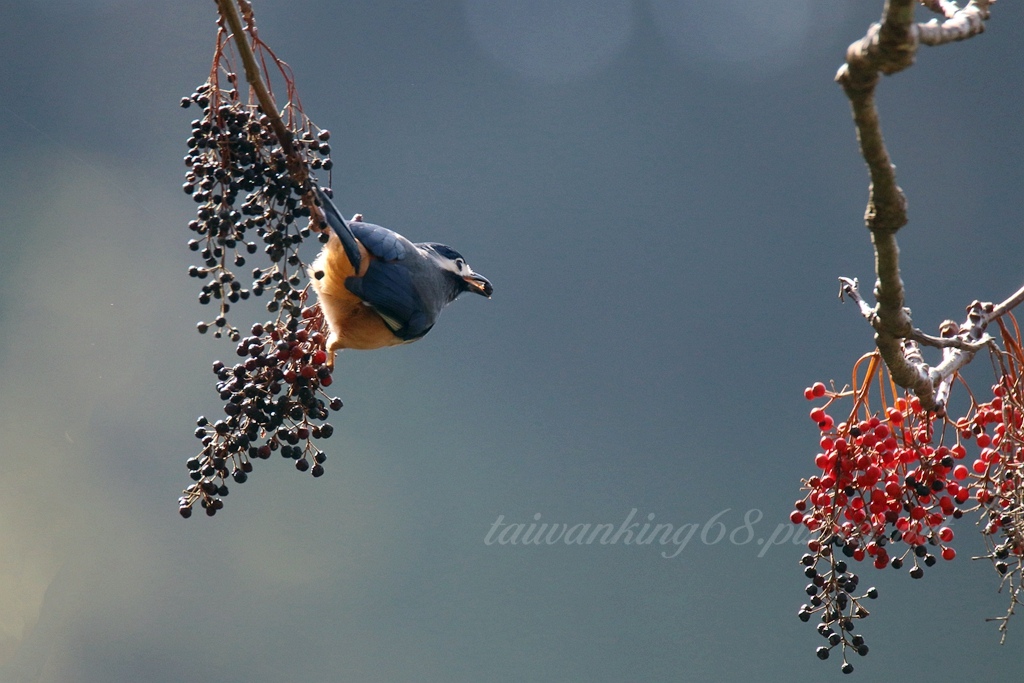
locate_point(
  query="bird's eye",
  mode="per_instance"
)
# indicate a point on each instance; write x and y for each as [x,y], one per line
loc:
[460,264]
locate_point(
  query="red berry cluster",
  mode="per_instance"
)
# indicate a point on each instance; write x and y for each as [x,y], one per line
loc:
[883,480]
[882,494]
[997,483]
[887,487]
[274,401]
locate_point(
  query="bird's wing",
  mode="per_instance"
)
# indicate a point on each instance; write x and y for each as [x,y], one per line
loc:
[387,284]
[341,228]
[388,288]
[381,242]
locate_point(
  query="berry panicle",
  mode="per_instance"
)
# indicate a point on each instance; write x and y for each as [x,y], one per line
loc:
[249,174]
[275,400]
[888,483]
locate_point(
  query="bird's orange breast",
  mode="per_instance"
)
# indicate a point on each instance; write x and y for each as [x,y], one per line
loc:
[353,324]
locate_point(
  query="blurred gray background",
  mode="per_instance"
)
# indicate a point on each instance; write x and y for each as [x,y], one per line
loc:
[663,193]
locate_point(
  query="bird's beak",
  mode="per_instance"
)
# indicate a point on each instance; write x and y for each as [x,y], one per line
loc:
[479,285]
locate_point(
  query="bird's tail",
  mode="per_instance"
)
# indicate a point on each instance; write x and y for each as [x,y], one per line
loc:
[340,227]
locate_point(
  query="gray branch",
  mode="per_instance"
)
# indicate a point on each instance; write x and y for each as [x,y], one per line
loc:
[889,47]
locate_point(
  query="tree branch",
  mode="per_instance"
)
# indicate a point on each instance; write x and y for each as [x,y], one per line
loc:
[254,76]
[962,24]
[889,47]
[1008,305]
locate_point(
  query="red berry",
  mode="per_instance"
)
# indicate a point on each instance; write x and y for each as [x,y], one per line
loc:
[818,389]
[959,472]
[319,357]
[945,534]
[796,517]
[809,394]
[817,414]
[948,553]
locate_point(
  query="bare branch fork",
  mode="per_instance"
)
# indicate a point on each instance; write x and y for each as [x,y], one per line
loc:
[889,47]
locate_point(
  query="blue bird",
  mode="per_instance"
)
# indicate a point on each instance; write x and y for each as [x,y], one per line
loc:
[377,289]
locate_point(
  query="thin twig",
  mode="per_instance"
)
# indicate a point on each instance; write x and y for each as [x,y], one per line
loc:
[850,287]
[949,342]
[1001,309]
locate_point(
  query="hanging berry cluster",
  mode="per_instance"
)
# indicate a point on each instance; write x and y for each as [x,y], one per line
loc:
[249,175]
[997,474]
[248,197]
[889,482]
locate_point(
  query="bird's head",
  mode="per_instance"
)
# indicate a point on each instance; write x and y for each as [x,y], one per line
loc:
[453,263]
